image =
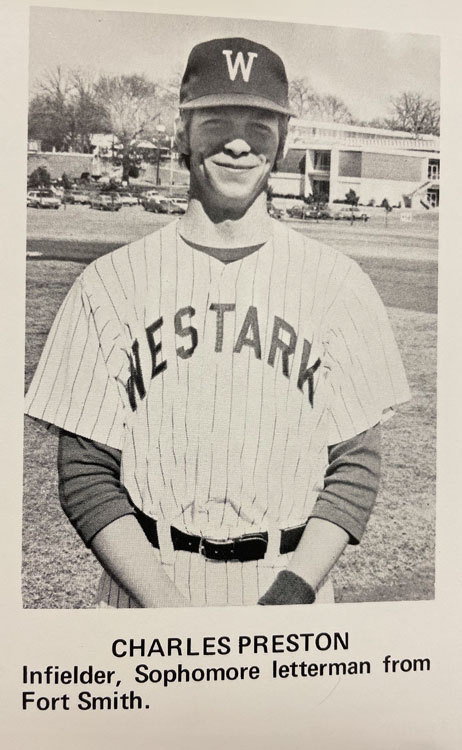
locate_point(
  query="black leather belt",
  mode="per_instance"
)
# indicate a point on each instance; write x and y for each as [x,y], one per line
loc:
[243,548]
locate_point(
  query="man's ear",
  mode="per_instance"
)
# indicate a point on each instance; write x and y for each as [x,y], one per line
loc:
[182,135]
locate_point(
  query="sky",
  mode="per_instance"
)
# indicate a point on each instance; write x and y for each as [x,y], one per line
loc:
[363,67]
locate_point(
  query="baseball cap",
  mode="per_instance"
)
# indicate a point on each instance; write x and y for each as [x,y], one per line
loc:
[234,71]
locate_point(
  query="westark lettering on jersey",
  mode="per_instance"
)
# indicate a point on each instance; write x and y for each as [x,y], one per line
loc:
[284,339]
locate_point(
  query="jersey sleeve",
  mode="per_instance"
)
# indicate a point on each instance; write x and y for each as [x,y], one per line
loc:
[366,376]
[72,388]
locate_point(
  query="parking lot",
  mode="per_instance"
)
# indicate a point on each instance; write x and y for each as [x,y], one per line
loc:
[379,237]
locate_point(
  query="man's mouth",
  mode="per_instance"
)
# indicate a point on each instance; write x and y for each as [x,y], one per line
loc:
[234,166]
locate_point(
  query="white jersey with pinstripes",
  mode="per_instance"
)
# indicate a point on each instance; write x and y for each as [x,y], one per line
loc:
[222,384]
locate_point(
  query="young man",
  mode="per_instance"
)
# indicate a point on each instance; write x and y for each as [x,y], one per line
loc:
[219,385]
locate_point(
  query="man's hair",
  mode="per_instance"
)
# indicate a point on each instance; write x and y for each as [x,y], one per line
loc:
[183,123]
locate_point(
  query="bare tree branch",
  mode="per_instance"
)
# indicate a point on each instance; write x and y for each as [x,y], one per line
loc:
[306,102]
[302,97]
[413,112]
[131,105]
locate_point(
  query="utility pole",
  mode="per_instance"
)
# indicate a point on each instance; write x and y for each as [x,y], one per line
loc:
[172,141]
[158,165]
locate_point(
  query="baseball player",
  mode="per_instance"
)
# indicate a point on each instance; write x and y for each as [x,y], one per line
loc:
[219,385]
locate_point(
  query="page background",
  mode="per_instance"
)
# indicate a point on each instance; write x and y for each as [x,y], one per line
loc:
[405,711]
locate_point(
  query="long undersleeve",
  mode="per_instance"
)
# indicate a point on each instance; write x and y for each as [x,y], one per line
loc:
[92,496]
[351,483]
[90,491]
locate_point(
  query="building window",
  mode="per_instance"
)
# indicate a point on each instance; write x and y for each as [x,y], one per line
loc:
[433,169]
[433,198]
[350,164]
[322,161]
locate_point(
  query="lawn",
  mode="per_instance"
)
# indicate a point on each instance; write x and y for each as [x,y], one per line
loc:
[395,560]
[401,282]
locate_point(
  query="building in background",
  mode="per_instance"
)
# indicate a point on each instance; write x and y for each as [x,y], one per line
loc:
[327,160]
[56,163]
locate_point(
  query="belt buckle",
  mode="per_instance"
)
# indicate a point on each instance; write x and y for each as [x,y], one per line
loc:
[242,549]
[201,549]
[216,544]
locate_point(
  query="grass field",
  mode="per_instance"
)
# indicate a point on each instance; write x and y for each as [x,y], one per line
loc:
[395,560]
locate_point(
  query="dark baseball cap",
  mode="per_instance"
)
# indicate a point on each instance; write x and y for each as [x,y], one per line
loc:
[234,72]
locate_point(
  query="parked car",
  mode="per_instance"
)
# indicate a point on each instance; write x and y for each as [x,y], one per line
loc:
[351,213]
[76,197]
[275,213]
[159,204]
[319,212]
[149,194]
[42,199]
[106,202]
[297,211]
[152,202]
[179,203]
[128,199]
[57,191]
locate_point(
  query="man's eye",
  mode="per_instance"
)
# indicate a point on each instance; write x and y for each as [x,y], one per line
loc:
[213,124]
[260,129]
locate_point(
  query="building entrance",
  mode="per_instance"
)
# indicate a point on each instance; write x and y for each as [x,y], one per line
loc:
[321,190]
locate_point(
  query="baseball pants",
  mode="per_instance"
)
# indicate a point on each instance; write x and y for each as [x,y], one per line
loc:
[209,583]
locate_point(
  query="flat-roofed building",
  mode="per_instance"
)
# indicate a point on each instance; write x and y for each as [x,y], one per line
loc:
[327,160]
[58,162]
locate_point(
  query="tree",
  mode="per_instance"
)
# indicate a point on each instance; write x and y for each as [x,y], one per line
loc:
[331,108]
[351,199]
[39,178]
[386,205]
[413,112]
[301,97]
[168,98]
[64,113]
[48,112]
[306,102]
[131,106]
[376,122]
[86,114]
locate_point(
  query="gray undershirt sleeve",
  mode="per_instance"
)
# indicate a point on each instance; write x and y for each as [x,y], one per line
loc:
[351,483]
[92,496]
[90,491]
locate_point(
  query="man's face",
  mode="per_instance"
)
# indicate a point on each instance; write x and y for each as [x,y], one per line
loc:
[232,152]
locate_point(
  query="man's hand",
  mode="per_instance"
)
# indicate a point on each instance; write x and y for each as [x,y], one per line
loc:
[288,588]
[319,548]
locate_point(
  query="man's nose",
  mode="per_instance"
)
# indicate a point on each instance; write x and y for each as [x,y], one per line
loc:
[237,146]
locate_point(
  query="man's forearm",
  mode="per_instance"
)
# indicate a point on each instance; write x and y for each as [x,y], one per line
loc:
[317,552]
[126,554]
[100,510]
[343,506]
[339,516]
[319,548]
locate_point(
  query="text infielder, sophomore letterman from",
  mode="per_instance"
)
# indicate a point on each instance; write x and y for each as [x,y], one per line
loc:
[219,385]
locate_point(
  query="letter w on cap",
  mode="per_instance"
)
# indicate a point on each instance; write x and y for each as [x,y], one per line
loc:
[239,63]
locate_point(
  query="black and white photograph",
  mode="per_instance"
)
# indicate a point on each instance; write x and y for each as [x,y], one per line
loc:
[231,312]
[231,375]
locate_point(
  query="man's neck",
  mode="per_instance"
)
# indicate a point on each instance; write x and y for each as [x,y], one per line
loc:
[250,230]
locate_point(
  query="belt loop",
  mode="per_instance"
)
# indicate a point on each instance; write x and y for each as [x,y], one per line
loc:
[167,553]
[274,541]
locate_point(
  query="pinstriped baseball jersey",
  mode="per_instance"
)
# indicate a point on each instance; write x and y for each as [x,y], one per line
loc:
[222,384]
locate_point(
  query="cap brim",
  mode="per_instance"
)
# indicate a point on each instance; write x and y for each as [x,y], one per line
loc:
[236,100]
